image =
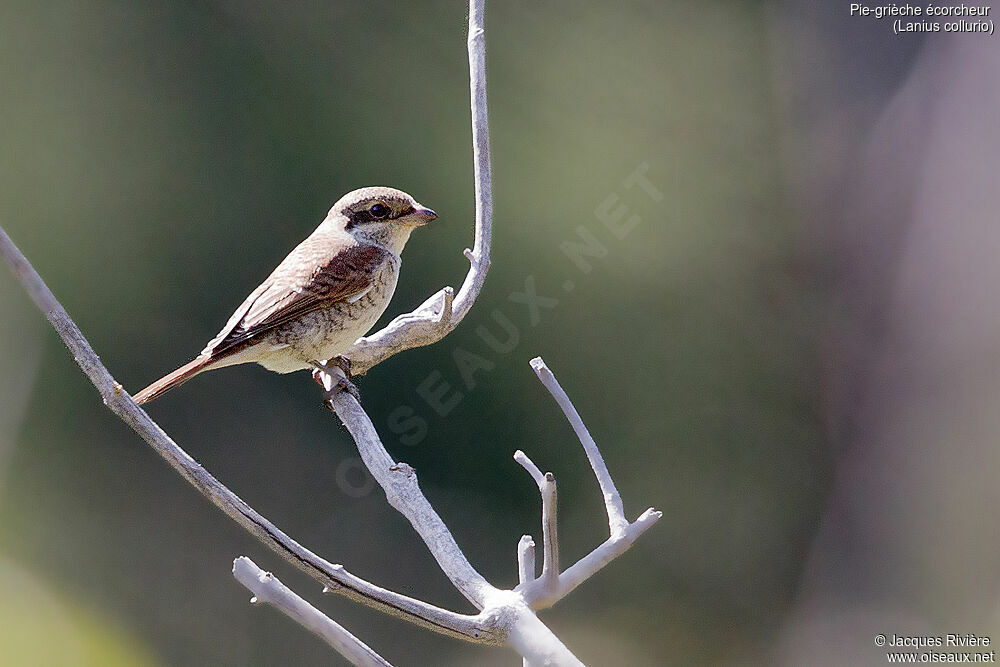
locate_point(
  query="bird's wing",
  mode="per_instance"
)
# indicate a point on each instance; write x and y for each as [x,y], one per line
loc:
[312,277]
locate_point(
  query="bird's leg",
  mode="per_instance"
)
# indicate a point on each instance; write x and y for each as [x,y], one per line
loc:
[343,378]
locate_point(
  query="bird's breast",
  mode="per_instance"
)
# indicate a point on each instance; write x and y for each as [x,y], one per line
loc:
[327,332]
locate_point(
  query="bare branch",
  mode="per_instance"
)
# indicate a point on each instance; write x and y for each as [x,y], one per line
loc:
[118,401]
[268,589]
[532,639]
[530,466]
[509,611]
[612,500]
[526,559]
[587,566]
[438,316]
[550,541]
[402,491]
[543,593]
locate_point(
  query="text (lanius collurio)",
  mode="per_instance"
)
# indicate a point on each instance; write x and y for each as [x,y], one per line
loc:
[906,18]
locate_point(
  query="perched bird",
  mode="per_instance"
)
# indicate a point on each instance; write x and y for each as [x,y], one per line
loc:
[327,293]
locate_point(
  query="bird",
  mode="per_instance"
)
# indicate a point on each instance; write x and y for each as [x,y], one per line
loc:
[329,291]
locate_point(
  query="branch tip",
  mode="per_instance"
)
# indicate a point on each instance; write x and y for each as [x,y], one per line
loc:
[526,559]
[649,515]
[268,589]
[445,312]
[528,465]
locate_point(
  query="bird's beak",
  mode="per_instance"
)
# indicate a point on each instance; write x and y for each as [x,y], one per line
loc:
[421,215]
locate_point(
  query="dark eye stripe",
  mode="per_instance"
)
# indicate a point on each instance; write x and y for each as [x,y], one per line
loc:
[366,214]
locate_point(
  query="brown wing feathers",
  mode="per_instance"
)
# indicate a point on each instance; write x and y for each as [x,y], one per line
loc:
[318,273]
[291,292]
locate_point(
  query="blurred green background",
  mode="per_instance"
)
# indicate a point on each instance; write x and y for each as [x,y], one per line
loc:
[159,158]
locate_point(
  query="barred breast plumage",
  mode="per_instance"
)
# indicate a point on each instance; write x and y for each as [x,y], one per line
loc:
[324,333]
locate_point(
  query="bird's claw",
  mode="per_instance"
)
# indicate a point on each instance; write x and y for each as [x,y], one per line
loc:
[322,370]
[344,364]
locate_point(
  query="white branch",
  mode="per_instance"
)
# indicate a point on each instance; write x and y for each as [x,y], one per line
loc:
[526,559]
[268,589]
[543,593]
[550,541]
[530,466]
[587,566]
[530,637]
[507,611]
[402,491]
[612,500]
[438,316]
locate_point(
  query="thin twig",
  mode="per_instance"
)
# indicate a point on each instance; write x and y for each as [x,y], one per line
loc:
[525,559]
[529,465]
[438,316]
[612,500]
[118,401]
[550,540]
[610,549]
[402,490]
[266,588]
[541,593]
[526,569]
[509,611]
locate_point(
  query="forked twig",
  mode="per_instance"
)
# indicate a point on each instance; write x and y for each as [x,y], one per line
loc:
[546,591]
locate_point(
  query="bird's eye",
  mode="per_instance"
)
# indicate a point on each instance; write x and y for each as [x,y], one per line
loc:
[379,210]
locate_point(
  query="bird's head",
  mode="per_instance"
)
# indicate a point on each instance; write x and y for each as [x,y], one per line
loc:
[382,215]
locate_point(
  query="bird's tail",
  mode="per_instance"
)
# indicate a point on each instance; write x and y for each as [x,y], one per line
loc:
[175,379]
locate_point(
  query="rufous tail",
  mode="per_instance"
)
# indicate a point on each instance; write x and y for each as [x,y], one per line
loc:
[175,379]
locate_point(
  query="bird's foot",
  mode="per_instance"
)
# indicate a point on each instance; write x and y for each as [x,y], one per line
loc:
[344,364]
[343,383]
